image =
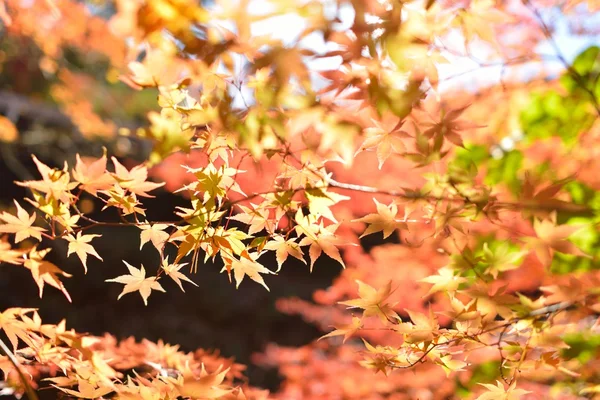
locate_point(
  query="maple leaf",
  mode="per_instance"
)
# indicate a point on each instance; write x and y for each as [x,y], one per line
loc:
[383,358]
[136,281]
[283,248]
[81,246]
[320,201]
[451,365]
[479,20]
[44,272]
[134,180]
[257,218]
[172,271]
[380,358]
[155,234]
[421,330]
[543,199]
[447,126]
[373,302]
[141,76]
[206,386]
[445,280]
[86,390]
[386,137]
[55,182]
[214,182]
[21,225]
[382,221]
[92,177]
[499,392]
[500,259]
[11,322]
[248,267]
[564,292]
[8,254]
[126,202]
[347,330]
[462,312]
[321,239]
[551,238]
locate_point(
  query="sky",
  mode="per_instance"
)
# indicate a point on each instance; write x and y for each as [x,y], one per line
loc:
[467,72]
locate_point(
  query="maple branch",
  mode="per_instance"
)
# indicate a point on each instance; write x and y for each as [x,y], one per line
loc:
[535,315]
[13,360]
[574,74]
[569,207]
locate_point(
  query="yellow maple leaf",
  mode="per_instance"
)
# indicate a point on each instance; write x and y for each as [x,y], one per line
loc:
[257,218]
[21,225]
[14,327]
[373,302]
[385,137]
[445,280]
[86,390]
[8,254]
[155,234]
[320,238]
[449,364]
[44,272]
[56,183]
[136,281]
[284,248]
[172,271]
[320,201]
[498,392]
[346,330]
[134,180]
[248,267]
[207,386]
[383,221]
[421,329]
[81,246]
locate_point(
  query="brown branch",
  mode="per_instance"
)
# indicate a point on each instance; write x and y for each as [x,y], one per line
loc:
[568,207]
[13,360]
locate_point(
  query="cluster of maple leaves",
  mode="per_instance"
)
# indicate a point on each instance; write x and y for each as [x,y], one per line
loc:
[469,236]
[91,367]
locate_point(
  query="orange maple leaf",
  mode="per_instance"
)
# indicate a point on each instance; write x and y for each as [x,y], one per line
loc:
[92,177]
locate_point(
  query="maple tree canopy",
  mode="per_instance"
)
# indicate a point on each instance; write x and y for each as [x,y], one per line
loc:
[440,155]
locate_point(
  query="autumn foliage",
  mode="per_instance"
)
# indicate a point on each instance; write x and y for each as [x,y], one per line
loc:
[442,155]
